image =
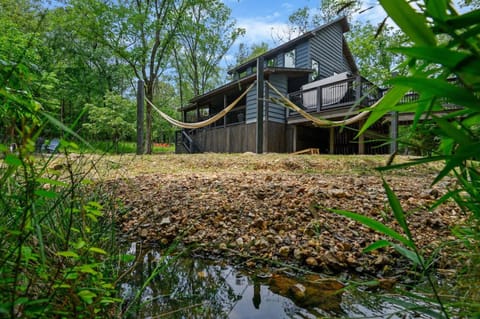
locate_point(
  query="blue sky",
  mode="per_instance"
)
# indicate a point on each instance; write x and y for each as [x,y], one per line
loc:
[264,20]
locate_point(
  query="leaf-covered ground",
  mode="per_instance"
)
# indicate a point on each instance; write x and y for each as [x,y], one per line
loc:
[276,207]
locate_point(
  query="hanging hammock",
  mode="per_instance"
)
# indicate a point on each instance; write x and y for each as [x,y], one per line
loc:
[316,121]
[207,122]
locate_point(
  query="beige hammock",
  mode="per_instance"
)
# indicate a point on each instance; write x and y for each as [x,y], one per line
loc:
[201,124]
[317,121]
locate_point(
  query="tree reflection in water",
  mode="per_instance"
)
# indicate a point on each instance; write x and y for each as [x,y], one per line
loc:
[196,288]
[183,287]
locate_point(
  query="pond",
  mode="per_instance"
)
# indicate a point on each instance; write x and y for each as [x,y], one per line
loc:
[185,287]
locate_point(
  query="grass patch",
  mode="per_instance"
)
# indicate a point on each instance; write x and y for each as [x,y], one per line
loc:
[108,147]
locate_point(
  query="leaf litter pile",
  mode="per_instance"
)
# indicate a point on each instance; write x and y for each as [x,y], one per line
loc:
[275,208]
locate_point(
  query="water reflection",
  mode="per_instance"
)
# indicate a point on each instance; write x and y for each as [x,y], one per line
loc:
[197,288]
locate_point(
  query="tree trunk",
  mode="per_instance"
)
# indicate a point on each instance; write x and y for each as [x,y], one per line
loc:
[148,118]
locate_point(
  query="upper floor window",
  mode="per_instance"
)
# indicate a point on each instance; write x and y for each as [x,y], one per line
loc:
[290,59]
[316,70]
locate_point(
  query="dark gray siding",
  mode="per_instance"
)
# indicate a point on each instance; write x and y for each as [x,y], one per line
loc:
[276,113]
[251,111]
[281,60]
[327,49]
[301,56]
[346,65]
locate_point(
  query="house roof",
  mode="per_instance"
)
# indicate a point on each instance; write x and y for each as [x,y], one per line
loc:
[236,86]
[239,85]
[271,53]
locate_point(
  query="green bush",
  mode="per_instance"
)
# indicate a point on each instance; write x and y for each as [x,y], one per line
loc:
[445,46]
[54,237]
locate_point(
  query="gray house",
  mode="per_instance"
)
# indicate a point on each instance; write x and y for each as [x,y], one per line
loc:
[317,72]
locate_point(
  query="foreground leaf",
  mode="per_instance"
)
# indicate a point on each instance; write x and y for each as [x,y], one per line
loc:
[375,225]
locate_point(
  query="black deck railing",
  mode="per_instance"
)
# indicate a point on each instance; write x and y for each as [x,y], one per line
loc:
[349,92]
[185,141]
[412,96]
[334,95]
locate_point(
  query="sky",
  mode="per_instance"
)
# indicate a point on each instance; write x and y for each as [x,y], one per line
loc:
[264,20]
[267,20]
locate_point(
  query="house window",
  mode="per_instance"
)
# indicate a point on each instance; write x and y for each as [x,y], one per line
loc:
[290,59]
[271,63]
[204,112]
[316,70]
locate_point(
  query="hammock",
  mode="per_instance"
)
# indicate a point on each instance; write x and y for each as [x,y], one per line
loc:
[317,121]
[207,122]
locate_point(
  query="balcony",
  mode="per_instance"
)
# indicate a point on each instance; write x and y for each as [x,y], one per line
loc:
[320,96]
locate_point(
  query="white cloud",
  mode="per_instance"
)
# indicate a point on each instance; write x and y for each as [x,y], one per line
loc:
[288,6]
[261,29]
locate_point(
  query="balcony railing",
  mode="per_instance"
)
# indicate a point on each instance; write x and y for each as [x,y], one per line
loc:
[348,92]
[337,94]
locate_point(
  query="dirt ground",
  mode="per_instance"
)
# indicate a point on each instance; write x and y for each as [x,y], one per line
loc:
[262,208]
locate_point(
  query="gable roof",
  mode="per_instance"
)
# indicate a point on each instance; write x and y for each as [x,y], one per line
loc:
[273,52]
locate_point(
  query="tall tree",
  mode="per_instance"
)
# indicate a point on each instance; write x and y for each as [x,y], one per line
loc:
[112,119]
[470,3]
[167,99]
[19,78]
[331,9]
[206,35]
[304,19]
[370,50]
[84,70]
[141,33]
[246,53]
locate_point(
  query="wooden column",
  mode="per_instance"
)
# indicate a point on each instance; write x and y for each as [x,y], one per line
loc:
[226,131]
[358,91]
[319,98]
[393,132]
[332,140]
[260,87]
[361,140]
[294,141]
[266,139]
[225,106]
[140,116]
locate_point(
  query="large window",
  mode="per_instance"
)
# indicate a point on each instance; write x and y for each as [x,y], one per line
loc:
[315,69]
[290,59]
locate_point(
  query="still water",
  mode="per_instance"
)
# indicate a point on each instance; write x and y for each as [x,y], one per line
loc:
[198,288]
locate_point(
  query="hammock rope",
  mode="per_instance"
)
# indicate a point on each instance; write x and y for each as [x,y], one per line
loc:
[284,101]
[206,122]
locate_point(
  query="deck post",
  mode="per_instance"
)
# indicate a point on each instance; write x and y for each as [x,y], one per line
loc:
[319,99]
[225,106]
[361,140]
[140,116]
[260,101]
[266,106]
[332,140]
[358,91]
[294,140]
[393,132]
